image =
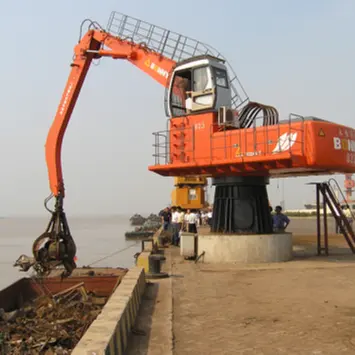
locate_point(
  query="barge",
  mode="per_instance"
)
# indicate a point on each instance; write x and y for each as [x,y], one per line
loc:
[50,315]
[139,235]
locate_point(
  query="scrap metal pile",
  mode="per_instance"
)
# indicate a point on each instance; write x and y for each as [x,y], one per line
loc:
[52,324]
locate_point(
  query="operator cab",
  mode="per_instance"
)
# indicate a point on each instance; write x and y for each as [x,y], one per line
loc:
[198,84]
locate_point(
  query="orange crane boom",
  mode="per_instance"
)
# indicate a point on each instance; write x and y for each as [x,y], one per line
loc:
[56,245]
[90,47]
[96,43]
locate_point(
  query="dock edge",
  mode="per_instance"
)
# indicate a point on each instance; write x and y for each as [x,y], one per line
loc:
[109,332]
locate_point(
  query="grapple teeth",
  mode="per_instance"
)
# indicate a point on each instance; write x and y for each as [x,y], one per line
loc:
[24,262]
[52,248]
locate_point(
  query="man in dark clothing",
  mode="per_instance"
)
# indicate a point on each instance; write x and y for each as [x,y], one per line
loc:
[165,216]
[280,221]
[271,216]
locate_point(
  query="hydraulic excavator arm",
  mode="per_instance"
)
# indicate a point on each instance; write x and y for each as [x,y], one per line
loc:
[56,245]
[93,46]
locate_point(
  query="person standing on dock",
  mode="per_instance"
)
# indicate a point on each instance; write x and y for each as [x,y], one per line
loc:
[338,220]
[203,217]
[198,216]
[165,216]
[271,216]
[192,222]
[181,222]
[280,221]
[186,220]
[175,219]
[348,215]
[181,216]
[209,216]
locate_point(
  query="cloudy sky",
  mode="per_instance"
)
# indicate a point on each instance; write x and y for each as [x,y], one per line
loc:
[295,55]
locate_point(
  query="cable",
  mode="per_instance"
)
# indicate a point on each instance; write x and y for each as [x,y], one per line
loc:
[92,24]
[249,115]
[114,253]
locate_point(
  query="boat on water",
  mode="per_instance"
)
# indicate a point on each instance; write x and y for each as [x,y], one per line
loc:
[137,220]
[151,224]
[139,234]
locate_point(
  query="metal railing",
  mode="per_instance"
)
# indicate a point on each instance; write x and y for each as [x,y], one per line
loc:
[255,141]
[161,148]
[171,45]
[183,148]
[336,189]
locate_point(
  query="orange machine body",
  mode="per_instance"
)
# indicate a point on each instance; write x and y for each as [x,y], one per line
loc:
[296,147]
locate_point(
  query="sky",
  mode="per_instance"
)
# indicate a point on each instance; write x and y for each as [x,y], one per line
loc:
[295,55]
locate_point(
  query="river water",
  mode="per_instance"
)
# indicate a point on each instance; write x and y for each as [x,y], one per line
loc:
[95,237]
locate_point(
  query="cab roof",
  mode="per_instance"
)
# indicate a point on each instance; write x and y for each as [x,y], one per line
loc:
[198,58]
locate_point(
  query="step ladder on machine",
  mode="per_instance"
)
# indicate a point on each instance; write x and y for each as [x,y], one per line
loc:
[330,201]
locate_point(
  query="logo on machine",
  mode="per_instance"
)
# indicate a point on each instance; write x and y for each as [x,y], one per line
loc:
[156,68]
[66,98]
[344,144]
[285,142]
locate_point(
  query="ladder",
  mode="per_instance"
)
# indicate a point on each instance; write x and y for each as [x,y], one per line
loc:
[330,200]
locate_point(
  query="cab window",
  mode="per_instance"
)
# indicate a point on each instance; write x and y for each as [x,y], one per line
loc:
[181,85]
[201,79]
[221,77]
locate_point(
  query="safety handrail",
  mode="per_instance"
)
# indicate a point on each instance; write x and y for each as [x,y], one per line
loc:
[172,45]
[261,147]
[295,135]
[342,195]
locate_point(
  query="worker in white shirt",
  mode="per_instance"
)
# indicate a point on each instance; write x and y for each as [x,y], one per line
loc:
[198,216]
[181,222]
[209,217]
[192,221]
[175,216]
[203,218]
[181,216]
[186,220]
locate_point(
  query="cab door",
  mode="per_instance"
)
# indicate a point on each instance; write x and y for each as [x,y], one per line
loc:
[202,96]
[223,90]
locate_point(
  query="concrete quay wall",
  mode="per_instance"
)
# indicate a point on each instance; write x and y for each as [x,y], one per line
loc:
[109,333]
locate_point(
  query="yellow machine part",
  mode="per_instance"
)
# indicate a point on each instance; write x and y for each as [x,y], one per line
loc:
[188,197]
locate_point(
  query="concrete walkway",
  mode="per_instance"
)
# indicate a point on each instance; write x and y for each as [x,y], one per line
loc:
[300,307]
[305,306]
[155,318]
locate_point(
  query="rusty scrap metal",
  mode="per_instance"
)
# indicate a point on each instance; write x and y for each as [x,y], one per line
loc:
[52,324]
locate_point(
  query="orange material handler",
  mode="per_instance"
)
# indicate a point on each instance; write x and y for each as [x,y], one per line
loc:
[212,130]
[144,45]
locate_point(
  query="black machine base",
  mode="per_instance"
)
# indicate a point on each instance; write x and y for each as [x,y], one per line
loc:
[241,205]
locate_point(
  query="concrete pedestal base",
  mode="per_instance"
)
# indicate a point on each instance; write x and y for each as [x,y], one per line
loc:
[255,248]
